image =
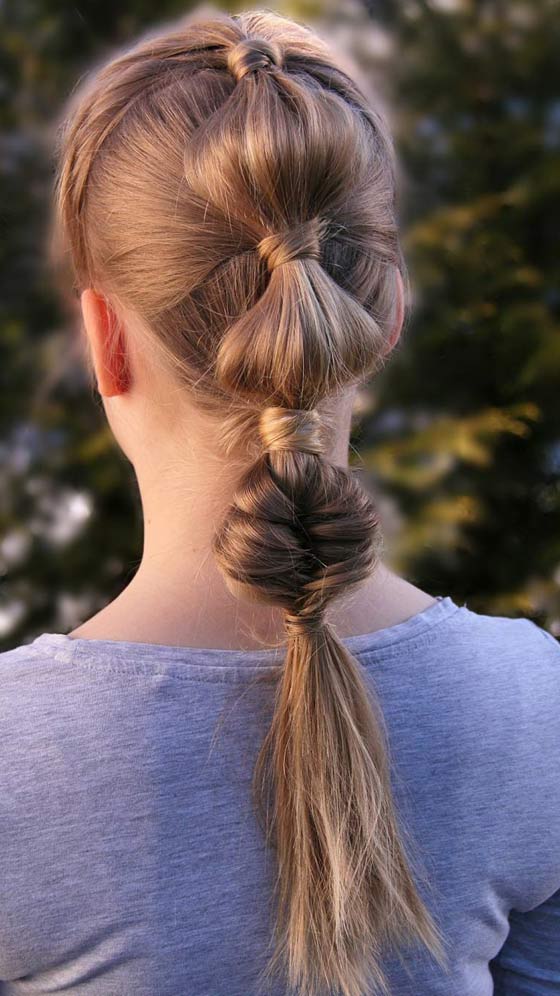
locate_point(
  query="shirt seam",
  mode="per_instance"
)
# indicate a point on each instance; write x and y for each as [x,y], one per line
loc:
[237,673]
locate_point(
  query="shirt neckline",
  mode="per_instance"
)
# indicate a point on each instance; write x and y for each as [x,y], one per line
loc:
[121,654]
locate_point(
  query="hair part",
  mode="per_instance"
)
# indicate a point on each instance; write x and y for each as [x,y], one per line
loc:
[228,184]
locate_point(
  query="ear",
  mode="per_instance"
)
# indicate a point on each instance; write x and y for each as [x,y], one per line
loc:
[107,344]
[399,314]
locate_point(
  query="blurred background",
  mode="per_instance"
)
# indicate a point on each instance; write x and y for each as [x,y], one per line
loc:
[461,433]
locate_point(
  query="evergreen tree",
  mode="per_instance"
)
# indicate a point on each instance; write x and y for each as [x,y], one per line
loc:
[461,432]
[463,428]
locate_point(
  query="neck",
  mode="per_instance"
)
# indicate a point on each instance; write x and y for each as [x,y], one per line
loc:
[178,595]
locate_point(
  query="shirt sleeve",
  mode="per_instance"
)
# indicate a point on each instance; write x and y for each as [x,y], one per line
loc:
[528,963]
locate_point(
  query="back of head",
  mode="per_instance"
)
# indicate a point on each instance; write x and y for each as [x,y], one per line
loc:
[227,183]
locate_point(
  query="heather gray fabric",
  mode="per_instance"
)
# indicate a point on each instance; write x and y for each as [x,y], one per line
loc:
[131,863]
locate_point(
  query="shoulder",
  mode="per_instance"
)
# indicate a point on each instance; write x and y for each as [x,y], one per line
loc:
[456,650]
[28,673]
[482,689]
[504,646]
[508,713]
[512,664]
[501,690]
[490,644]
[19,660]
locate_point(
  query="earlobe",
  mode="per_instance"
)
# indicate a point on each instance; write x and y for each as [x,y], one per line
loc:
[107,344]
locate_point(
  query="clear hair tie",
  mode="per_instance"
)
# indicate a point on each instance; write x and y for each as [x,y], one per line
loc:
[293,429]
[303,624]
[250,54]
[298,242]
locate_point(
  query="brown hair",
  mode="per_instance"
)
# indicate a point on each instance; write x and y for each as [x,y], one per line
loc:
[228,183]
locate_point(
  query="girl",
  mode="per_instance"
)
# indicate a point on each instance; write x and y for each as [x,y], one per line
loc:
[226,199]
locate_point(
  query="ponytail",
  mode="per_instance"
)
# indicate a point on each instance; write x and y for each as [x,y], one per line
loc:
[300,532]
[229,184]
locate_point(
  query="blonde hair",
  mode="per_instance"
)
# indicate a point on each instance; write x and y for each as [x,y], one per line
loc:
[228,183]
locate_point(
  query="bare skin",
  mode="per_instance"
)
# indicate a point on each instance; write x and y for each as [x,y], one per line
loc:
[178,597]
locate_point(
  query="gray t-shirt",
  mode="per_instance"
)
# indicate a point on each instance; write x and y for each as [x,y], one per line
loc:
[132,864]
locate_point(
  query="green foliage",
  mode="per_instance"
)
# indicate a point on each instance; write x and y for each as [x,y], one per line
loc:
[70,526]
[462,431]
